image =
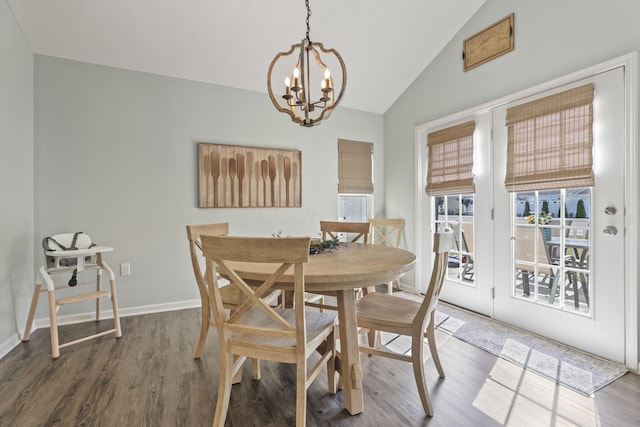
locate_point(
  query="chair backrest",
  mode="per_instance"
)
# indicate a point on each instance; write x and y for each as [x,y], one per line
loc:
[194,233]
[224,254]
[331,229]
[443,242]
[529,243]
[578,229]
[386,231]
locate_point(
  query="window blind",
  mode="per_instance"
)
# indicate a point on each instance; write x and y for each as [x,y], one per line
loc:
[450,165]
[550,142]
[355,167]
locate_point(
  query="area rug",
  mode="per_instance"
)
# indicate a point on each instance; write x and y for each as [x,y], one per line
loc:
[569,367]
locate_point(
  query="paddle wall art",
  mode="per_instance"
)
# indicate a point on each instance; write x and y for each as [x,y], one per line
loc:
[232,176]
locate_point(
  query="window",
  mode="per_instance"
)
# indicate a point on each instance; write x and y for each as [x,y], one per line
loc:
[456,212]
[450,181]
[355,180]
[550,175]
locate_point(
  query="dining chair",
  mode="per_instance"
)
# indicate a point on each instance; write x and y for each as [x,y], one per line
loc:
[531,251]
[231,296]
[468,267]
[398,315]
[73,254]
[257,330]
[387,232]
[359,232]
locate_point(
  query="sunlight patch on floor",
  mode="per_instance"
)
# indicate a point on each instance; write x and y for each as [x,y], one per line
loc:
[514,396]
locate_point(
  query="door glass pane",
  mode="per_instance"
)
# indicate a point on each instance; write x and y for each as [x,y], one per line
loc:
[455,212]
[551,248]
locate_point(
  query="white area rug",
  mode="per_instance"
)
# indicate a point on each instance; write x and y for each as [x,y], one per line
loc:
[567,366]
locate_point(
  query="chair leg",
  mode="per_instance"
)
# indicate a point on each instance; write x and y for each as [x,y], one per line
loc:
[585,287]
[204,328]
[301,393]
[525,283]
[32,312]
[224,387]
[114,304]
[554,288]
[433,348]
[236,377]
[55,343]
[417,351]
[98,289]
[331,363]
[373,337]
[255,369]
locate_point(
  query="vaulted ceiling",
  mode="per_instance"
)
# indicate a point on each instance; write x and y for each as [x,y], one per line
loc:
[385,43]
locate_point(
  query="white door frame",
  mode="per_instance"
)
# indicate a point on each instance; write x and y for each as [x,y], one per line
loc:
[632,196]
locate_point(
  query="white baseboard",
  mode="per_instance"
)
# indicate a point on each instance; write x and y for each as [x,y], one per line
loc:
[70,319]
[407,288]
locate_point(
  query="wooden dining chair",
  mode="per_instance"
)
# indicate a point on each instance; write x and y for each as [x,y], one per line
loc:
[532,250]
[231,296]
[397,315]
[257,330]
[387,232]
[359,231]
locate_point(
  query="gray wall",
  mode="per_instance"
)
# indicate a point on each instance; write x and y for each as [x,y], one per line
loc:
[552,38]
[16,176]
[116,157]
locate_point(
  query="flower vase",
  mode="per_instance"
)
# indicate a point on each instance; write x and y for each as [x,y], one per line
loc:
[546,232]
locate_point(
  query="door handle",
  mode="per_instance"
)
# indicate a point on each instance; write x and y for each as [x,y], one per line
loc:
[610,230]
[610,210]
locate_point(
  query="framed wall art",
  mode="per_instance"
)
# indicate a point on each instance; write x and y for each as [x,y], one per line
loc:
[233,176]
[488,44]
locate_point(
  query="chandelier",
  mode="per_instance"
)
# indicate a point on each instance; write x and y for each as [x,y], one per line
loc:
[306,66]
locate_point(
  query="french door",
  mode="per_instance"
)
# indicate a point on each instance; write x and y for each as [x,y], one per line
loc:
[585,307]
[572,290]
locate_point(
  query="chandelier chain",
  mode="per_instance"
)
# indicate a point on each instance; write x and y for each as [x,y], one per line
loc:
[308,15]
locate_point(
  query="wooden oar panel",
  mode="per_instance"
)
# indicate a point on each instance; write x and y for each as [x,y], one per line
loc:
[248,177]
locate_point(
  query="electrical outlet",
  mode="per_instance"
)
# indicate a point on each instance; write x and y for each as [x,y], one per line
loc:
[125,269]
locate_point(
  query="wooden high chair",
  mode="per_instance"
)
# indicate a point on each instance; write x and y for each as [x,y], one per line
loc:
[72,253]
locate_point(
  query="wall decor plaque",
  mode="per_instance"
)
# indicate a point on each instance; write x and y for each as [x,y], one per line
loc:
[493,41]
[248,177]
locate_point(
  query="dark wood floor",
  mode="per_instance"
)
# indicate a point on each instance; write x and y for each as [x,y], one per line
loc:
[149,378]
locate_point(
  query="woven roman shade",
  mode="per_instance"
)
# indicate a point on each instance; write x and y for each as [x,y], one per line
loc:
[355,167]
[550,142]
[450,168]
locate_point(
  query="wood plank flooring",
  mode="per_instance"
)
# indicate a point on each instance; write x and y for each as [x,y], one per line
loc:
[149,378]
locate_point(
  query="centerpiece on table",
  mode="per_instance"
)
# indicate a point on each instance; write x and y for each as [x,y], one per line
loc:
[317,246]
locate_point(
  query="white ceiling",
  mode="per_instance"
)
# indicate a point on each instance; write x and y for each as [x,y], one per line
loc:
[384,43]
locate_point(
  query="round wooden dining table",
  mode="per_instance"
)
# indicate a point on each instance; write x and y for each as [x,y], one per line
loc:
[341,271]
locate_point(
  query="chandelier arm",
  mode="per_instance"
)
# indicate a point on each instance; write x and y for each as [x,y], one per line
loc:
[270,89]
